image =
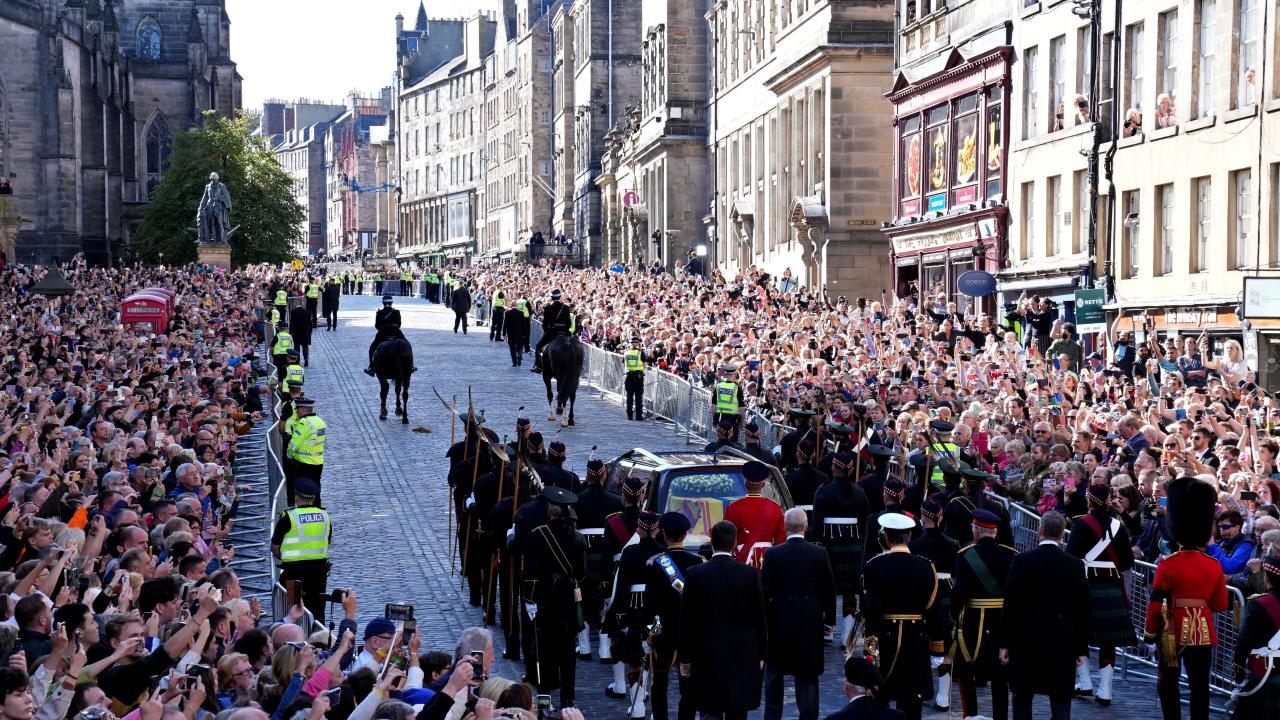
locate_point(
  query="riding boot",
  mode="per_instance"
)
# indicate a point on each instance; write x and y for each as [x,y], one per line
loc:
[1105,674]
[1084,681]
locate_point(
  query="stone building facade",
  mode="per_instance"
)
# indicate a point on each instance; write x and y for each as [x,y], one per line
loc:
[517,167]
[92,94]
[351,184]
[301,153]
[439,132]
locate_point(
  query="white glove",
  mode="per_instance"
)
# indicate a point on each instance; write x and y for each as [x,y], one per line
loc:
[532,609]
[471,501]
[935,661]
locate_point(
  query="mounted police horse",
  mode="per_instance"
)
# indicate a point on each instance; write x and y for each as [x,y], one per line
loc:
[393,362]
[562,362]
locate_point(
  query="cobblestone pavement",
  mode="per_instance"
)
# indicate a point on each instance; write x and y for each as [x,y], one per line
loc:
[385,484]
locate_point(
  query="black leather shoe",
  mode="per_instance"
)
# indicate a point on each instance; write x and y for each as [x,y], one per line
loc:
[608,690]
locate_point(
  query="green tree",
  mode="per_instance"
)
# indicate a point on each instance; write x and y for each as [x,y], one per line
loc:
[262,203]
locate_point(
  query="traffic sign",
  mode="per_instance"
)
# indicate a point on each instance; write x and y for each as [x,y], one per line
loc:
[630,197]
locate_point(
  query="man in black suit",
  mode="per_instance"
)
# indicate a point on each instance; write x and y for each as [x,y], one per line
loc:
[798,587]
[722,631]
[329,300]
[861,681]
[1044,632]
[664,589]
[300,329]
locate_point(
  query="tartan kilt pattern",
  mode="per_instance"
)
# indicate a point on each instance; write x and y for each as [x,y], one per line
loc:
[846,565]
[1262,705]
[1109,620]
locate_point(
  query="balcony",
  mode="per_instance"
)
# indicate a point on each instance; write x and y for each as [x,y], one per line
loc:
[569,254]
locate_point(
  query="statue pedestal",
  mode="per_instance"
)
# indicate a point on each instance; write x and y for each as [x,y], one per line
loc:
[214,255]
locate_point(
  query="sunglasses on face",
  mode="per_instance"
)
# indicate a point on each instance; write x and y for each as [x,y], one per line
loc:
[1223,527]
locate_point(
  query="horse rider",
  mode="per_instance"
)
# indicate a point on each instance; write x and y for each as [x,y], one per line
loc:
[387,322]
[557,320]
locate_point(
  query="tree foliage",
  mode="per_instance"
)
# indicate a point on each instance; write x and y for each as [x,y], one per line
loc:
[262,202]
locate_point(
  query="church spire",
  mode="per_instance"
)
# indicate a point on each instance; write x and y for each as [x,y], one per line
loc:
[421,25]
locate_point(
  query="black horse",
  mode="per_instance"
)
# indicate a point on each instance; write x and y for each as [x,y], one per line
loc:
[393,361]
[562,362]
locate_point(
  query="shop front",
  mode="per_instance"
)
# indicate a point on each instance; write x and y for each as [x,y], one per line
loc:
[949,167]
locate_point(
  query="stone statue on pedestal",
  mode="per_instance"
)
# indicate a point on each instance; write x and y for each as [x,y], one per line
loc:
[213,218]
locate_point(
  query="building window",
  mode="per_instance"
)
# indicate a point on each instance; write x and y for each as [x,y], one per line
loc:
[1057,83]
[1131,254]
[148,39]
[159,143]
[1031,96]
[1081,216]
[965,134]
[1084,73]
[1166,105]
[994,155]
[949,155]
[1203,224]
[1030,236]
[935,165]
[1206,42]
[1164,193]
[1055,215]
[1106,90]
[1134,66]
[1242,214]
[1246,75]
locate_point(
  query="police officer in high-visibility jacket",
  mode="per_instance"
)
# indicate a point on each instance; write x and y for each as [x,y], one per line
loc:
[313,302]
[301,542]
[634,359]
[280,348]
[305,454]
[726,400]
[293,372]
[499,314]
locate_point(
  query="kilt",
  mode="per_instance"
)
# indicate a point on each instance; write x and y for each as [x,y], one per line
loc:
[844,547]
[594,580]
[1110,623]
[1262,705]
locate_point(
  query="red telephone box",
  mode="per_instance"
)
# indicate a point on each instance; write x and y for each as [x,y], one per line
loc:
[146,311]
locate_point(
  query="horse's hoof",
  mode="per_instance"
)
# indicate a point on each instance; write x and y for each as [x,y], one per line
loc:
[404,419]
[571,422]
[383,416]
[551,417]
[565,423]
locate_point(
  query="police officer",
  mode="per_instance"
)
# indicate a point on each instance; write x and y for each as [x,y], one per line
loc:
[634,359]
[287,406]
[293,372]
[595,504]
[976,601]
[387,324]
[377,284]
[726,400]
[840,511]
[556,321]
[280,348]
[499,314]
[300,542]
[664,584]
[554,564]
[627,614]
[280,304]
[939,451]
[331,297]
[516,326]
[306,444]
[901,615]
[312,293]
[619,529]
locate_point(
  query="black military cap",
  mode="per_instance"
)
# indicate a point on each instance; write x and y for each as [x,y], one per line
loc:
[558,495]
[674,523]
[647,520]
[387,299]
[802,412]
[755,472]
[861,672]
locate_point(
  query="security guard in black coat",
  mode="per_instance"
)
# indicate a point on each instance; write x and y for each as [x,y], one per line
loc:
[300,329]
[595,503]
[958,515]
[627,616]
[901,615]
[751,444]
[556,321]
[803,482]
[387,322]
[806,423]
[554,567]
[976,602]
[893,492]
[840,513]
[941,551]
[330,299]
[516,325]
[663,586]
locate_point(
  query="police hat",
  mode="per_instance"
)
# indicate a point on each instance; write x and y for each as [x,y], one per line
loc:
[558,495]
[755,472]
[984,518]
[942,427]
[293,384]
[304,402]
[862,672]
[896,521]
[728,369]
[647,520]
[293,353]
[633,486]
[635,339]
[555,294]
[727,424]
[674,523]
[387,299]
[306,486]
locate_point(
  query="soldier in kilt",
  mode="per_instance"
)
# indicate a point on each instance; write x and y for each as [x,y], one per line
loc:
[840,511]
[941,551]
[1099,539]
[1262,671]
[594,505]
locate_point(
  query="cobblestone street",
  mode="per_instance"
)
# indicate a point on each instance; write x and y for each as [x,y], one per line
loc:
[385,484]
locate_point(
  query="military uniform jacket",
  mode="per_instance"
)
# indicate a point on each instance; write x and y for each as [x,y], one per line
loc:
[555,317]
[957,518]
[872,534]
[593,506]
[554,561]
[380,318]
[467,447]
[977,603]
[803,483]
[902,612]
[626,615]
[661,598]
[840,512]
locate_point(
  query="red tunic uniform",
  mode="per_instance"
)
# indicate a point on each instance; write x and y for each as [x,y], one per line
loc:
[759,520]
[1195,587]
